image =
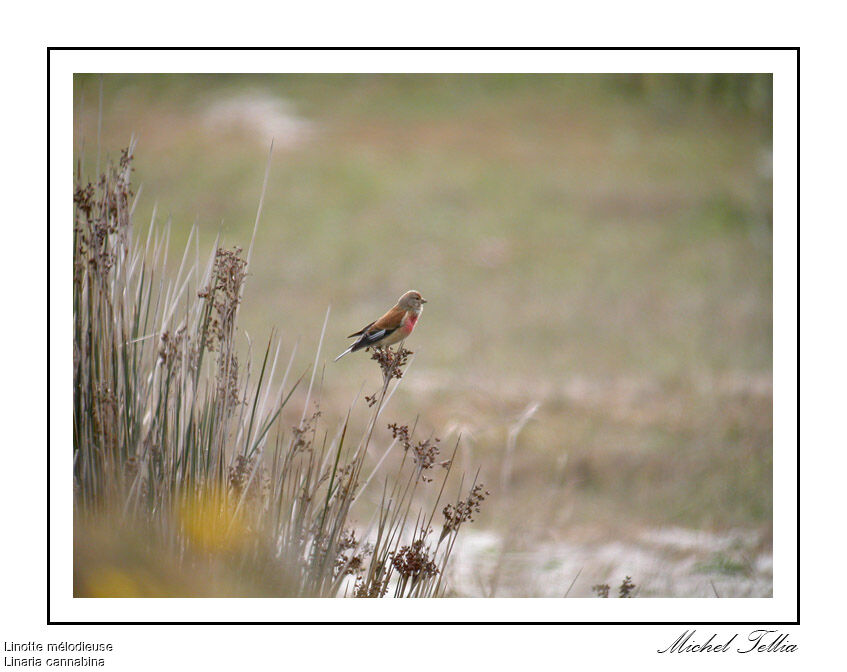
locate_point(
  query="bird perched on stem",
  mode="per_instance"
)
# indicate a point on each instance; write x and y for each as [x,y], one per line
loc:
[391,328]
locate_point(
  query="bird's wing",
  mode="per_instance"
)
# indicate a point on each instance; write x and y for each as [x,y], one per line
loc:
[361,331]
[370,338]
[390,321]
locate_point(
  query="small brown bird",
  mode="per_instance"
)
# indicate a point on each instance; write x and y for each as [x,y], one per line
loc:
[391,328]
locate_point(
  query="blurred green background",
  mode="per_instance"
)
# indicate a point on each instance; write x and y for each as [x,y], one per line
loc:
[598,245]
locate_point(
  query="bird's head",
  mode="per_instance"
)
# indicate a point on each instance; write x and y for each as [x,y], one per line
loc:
[411,300]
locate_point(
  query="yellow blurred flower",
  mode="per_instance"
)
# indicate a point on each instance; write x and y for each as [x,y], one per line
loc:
[210,522]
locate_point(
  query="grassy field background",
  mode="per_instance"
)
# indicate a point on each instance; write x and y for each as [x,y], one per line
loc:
[595,247]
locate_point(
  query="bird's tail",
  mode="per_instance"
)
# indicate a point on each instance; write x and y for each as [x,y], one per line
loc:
[343,353]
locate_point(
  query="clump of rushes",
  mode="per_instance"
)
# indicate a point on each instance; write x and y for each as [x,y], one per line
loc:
[186,479]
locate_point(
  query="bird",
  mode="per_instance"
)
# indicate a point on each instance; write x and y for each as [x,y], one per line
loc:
[395,326]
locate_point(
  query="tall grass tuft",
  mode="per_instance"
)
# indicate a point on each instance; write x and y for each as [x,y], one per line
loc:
[185,482]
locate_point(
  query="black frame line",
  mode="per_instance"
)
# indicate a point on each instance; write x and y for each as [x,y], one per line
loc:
[312,48]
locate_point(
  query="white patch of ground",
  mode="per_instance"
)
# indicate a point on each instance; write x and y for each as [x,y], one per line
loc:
[261,116]
[663,562]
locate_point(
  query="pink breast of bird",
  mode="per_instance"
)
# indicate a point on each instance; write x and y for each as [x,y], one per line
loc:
[409,324]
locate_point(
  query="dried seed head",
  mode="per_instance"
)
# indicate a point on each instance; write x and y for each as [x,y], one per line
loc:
[424,453]
[414,562]
[391,361]
[626,587]
[464,510]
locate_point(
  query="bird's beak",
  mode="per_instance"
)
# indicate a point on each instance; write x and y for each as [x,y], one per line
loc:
[423,300]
